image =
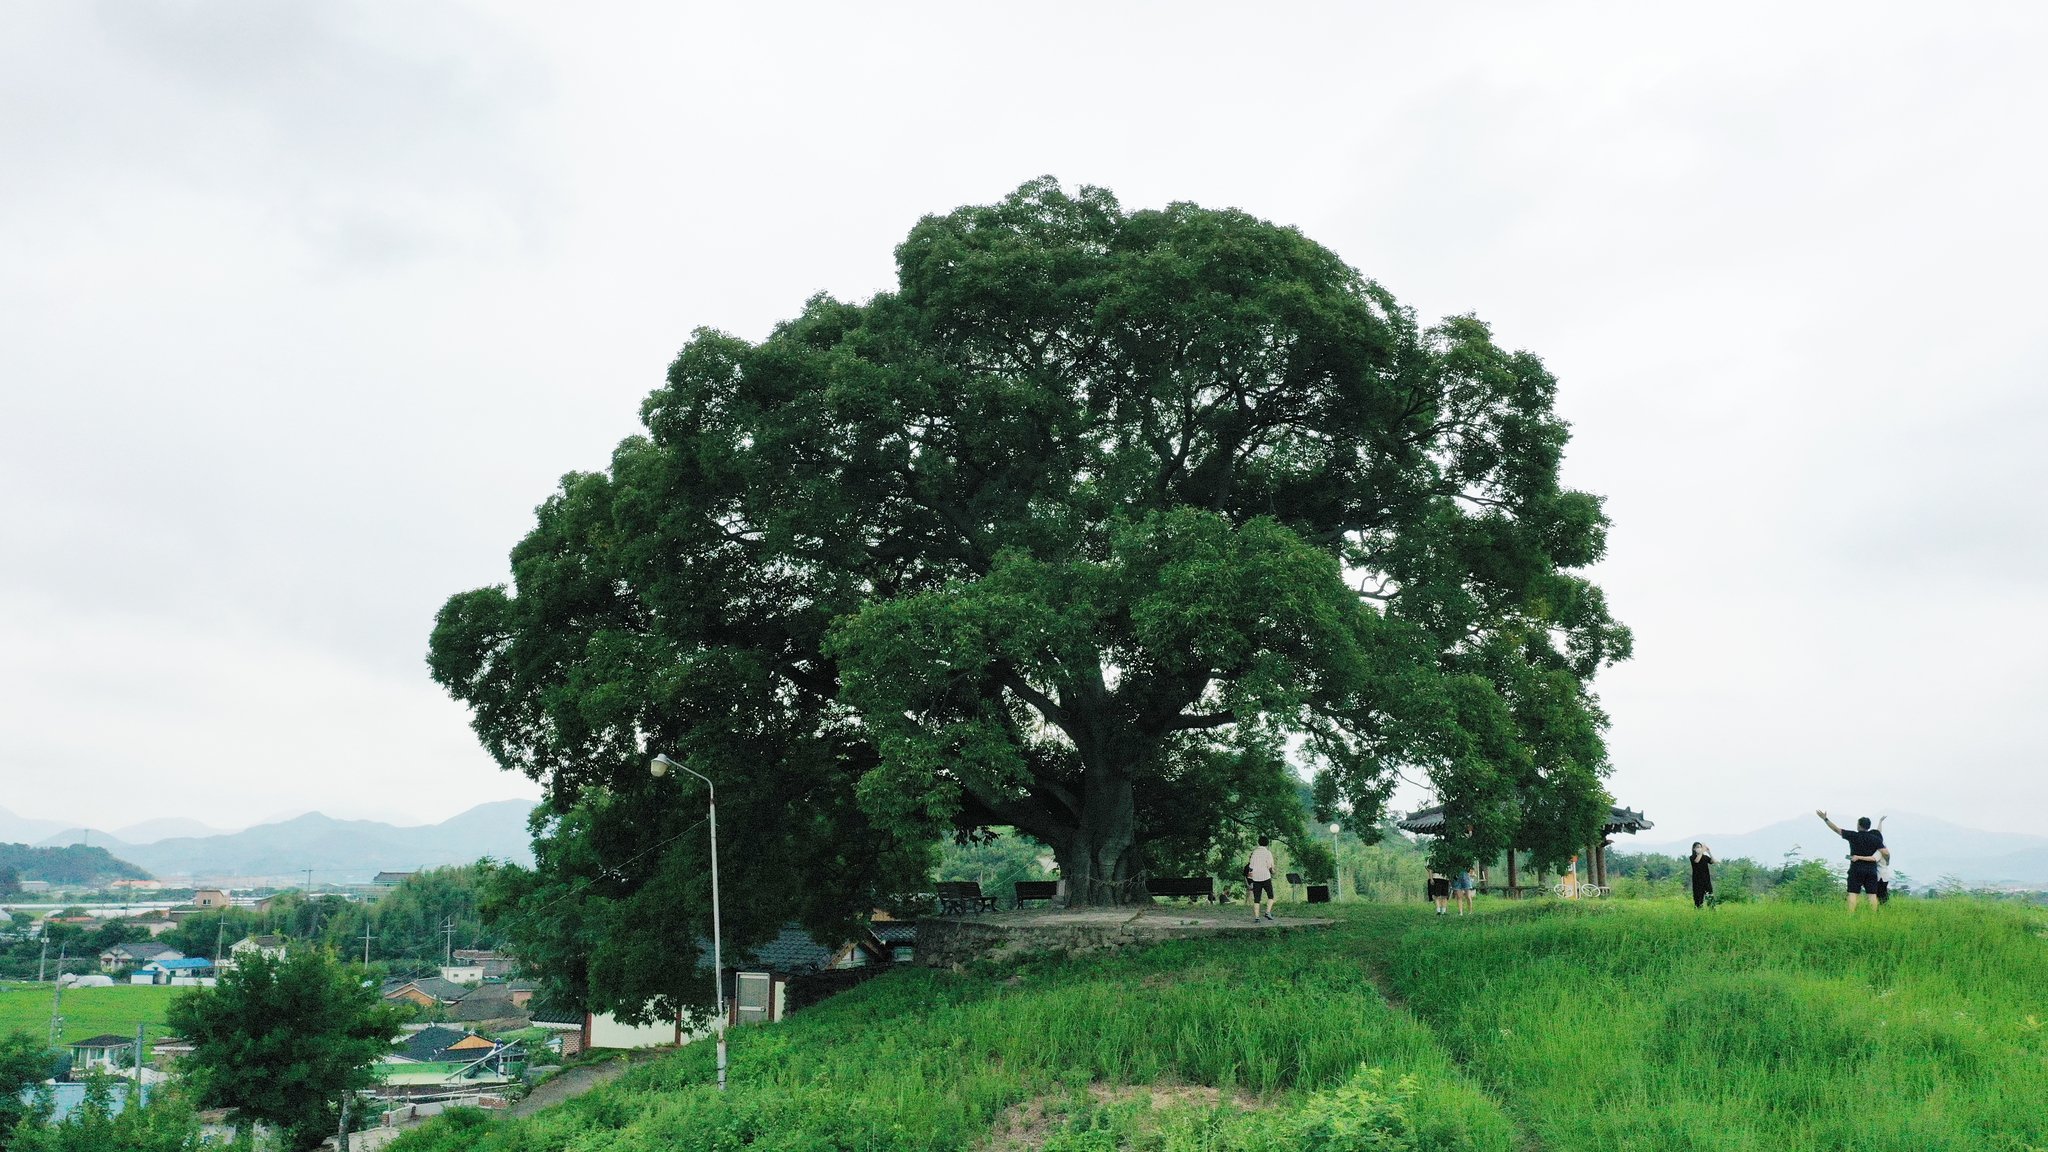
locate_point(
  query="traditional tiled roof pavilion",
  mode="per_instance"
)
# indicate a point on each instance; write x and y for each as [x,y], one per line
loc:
[1430,822]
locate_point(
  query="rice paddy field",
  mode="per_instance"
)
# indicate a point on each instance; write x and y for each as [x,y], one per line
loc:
[1630,1025]
[87,1012]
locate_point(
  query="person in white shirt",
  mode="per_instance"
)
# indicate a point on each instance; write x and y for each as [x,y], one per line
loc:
[1260,873]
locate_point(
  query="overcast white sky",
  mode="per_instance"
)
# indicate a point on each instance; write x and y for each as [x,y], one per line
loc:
[304,307]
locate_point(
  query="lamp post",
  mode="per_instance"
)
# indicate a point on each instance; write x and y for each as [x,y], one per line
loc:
[1336,872]
[660,767]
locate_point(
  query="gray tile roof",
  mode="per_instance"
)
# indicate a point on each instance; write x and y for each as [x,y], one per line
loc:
[430,1044]
[793,951]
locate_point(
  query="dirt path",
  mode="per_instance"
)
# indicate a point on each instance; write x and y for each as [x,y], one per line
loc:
[569,1085]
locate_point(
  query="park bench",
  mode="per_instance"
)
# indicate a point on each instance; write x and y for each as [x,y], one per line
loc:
[1183,887]
[1046,890]
[959,897]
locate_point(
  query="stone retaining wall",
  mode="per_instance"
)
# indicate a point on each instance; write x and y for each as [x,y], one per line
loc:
[954,941]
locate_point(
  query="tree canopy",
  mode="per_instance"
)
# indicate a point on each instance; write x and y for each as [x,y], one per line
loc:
[1102,526]
[284,1040]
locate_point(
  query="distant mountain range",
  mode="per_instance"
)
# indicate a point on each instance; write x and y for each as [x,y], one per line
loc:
[25,830]
[1923,847]
[338,851]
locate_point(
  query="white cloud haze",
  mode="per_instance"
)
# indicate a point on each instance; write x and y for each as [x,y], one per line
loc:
[304,307]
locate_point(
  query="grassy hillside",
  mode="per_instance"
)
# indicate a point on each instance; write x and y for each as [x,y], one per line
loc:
[87,1011]
[1632,1026]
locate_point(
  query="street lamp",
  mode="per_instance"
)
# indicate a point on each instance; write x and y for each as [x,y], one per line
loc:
[1336,871]
[659,767]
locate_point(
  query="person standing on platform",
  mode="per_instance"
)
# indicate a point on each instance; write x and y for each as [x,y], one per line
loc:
[1259,872]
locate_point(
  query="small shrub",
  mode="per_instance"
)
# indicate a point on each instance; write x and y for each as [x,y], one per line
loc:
[1365,1114]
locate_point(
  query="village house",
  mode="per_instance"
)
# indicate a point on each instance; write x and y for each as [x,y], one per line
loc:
[463,973]
[210,899]
[270,947]
[495,965]
[156,921]
[793,970]
[566,1029]
[107,1053]
[435,1061]
[789,972]
[180,971]
[124,956]
[169,1050]
[424,991]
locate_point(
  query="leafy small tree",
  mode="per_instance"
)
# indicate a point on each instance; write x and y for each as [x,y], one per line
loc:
[24,1062]
[285,1040]
[162,1122]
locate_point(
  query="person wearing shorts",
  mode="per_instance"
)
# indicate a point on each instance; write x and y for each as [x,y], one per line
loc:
[1864,845]
[1461,886]
[1259,876]
[1440,891]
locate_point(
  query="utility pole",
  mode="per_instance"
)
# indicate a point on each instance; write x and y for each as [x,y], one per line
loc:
[138,1101]
[43,962]
[341,1139]
[309,880]
[448,950]
[366,941]
[57,1002]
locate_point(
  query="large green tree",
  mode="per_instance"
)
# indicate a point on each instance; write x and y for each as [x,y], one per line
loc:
[1098,526]
[285,1040]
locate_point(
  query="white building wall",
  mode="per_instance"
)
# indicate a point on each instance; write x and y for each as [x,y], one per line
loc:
[607,1032]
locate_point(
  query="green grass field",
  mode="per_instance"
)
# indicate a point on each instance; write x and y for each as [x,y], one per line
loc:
[87,1011]
[1629,1026]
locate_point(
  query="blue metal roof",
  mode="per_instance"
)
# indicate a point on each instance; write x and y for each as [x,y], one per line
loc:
[187,964]
[68,1095]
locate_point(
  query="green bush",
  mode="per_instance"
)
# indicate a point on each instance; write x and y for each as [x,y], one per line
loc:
[1811,882]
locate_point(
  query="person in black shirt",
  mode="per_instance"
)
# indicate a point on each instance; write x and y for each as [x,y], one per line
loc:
[1702,873]
[1864,845]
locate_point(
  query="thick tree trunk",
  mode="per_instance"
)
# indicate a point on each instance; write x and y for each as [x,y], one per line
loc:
[1098,860]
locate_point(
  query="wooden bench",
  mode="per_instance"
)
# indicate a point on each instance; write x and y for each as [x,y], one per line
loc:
[1046,890]
[959,897]
[1183,887]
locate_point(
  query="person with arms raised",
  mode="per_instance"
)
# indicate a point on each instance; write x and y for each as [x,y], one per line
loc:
[1864,845]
